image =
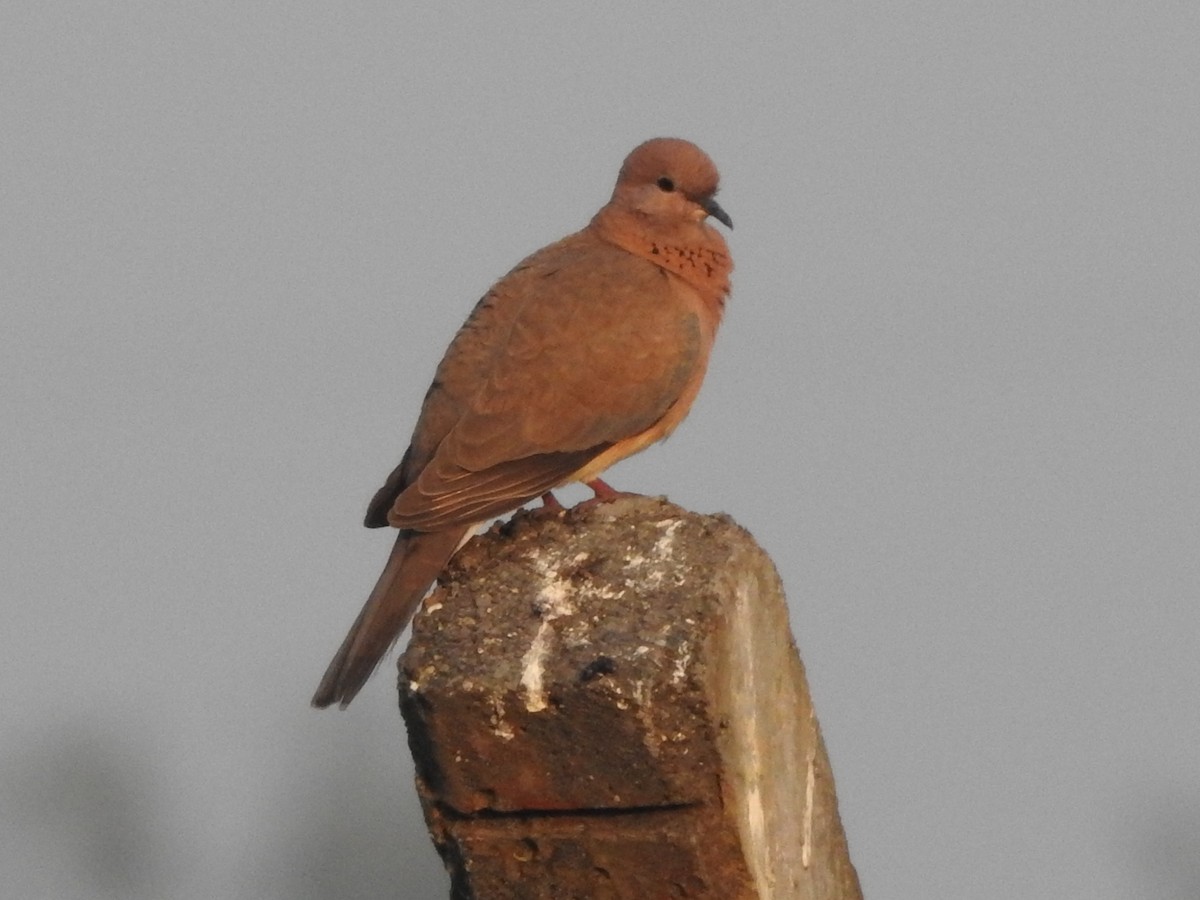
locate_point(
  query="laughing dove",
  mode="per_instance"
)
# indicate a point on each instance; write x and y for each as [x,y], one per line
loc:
[590,350]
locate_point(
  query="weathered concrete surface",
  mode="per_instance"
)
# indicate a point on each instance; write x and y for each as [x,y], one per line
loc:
[607,702]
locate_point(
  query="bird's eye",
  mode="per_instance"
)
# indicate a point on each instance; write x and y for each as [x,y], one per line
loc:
[666,184]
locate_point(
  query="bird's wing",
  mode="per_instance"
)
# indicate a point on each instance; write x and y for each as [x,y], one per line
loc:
[580,347]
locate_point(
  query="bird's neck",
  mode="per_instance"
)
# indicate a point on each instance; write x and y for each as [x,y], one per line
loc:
[693,252]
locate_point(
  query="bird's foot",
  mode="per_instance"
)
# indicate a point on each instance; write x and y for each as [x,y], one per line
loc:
[604,492]
[550,506]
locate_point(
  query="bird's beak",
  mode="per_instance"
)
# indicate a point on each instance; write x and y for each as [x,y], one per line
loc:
[713,208]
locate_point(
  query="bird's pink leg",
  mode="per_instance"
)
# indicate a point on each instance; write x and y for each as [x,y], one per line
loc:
[550,502]
[605,493]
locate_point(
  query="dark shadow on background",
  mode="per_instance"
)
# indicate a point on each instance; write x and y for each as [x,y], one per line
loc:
[80,804]
[355,840]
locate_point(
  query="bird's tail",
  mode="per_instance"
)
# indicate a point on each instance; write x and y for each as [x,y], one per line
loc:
[415,562]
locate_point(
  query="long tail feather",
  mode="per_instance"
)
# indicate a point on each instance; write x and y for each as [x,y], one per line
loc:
[415,562]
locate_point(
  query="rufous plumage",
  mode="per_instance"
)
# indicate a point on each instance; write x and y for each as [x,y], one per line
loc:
[589,350]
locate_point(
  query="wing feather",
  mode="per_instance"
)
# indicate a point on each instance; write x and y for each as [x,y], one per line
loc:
[557,363]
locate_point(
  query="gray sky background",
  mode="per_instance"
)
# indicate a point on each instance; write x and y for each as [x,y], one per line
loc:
[955,397]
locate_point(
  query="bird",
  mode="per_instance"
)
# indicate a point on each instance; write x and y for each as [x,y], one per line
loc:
[589,350]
